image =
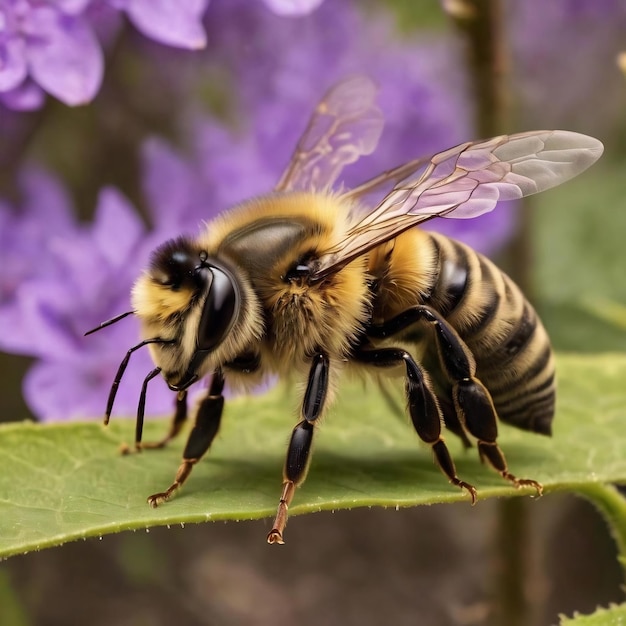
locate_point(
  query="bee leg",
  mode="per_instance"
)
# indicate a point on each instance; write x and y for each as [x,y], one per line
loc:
[451,420]
[180,417]
[475,408]
[297,461]
[202,434]
[472,400]
[423,407]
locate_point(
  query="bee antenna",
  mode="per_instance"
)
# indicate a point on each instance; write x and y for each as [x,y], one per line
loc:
[122,368]
[113,320]
[142,406]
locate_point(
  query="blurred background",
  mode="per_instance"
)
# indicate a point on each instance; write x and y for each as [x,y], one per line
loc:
[123,124]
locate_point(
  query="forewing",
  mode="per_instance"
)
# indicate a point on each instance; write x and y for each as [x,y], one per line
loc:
[467,181]
[345,125]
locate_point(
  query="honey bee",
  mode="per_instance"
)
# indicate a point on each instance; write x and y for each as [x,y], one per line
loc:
[305,283]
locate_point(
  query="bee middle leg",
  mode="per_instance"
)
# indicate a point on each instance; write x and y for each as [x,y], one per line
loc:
[298,451]
[207,424]
[423,407]
[472,401]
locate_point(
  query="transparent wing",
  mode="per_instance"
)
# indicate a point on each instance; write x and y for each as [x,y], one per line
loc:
[465,182]
[345,125]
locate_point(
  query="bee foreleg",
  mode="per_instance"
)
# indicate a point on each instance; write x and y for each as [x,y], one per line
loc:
[180,417]
[202,434]
[423,407]
[297,461]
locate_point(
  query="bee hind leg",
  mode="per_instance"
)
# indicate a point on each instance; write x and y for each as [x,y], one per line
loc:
[472,400]
[451,420]
[476,410]
[423,407]
[206,426]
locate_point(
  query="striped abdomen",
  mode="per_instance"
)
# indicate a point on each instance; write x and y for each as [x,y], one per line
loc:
[512,350]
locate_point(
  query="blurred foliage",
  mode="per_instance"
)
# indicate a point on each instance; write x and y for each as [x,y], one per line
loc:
[580,258]
[613,616]
[411,15]
[579,237]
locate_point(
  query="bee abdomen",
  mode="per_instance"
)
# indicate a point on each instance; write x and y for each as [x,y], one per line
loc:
[513,355]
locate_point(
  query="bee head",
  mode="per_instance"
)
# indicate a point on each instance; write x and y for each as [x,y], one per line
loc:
[193,300]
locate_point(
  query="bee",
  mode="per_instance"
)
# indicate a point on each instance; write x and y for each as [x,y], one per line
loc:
[305,283]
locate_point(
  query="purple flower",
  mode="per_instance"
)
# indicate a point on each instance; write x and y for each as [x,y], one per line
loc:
[26,238]
[61,280]
[74,373]
[52,46]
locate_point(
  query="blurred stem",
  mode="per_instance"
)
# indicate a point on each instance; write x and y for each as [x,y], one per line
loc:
[11,610]
[12,156]
[481,24]
[511,547]
[612,505]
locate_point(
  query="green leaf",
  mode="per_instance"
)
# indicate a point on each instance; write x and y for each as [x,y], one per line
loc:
[66,481]
[613,616]
[585,326]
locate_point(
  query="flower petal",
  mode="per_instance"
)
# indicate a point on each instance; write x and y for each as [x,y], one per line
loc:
[117,229]
[12,63]
[171,187]
[293,7]
[65,57]
[27,97]
[172,23]
[72,7]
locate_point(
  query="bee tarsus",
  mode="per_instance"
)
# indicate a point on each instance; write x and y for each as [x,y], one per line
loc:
[278,528]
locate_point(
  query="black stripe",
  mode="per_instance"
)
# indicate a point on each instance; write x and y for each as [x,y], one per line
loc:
[525,400]
[544,404]
[522,334]
[538,366]
[489,311]
[452,279]
[548,382]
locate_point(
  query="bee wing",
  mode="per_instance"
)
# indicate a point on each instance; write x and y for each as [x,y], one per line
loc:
[345,124]
[465,182]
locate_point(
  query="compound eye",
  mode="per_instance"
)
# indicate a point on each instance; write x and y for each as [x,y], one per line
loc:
[180,268]
[174,264]
[221,309]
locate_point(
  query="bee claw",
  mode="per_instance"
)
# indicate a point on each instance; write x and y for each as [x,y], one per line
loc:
[275,536]
[157,498]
